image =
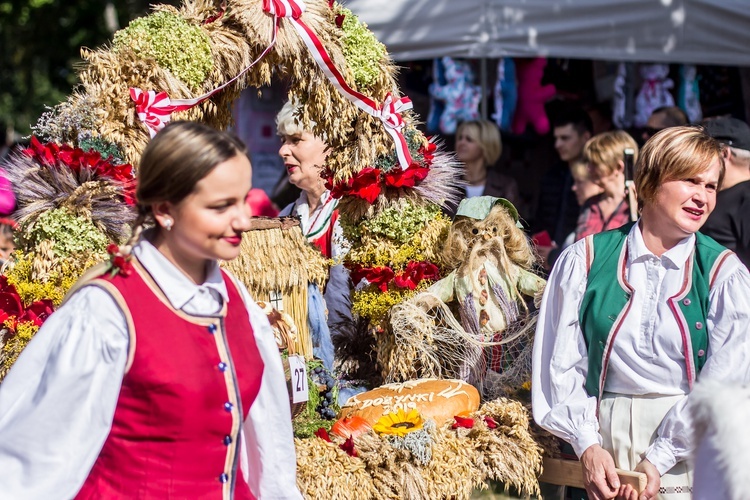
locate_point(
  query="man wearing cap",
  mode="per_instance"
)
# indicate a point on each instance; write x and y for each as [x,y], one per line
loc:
[729,224]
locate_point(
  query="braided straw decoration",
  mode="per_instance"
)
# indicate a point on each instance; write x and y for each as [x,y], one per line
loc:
[290,265]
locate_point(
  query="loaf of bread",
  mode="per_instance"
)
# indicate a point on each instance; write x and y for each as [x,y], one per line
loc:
[439,400]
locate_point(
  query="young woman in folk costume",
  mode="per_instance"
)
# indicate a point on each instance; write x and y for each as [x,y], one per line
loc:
[163,379]
[304,156]
[632,317]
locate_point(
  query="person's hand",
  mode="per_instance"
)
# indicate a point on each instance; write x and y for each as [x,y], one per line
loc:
[653,479]
[599,475]
[627,492]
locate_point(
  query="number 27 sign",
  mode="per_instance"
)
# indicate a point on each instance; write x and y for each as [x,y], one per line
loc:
[298,371]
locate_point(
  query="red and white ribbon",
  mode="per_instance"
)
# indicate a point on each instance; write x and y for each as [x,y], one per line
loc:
[155,109]
[284,8]
[391,115]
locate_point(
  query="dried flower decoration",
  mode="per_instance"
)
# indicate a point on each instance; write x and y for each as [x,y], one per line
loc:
[119,263]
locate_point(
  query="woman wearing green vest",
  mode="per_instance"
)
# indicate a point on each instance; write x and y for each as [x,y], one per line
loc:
[632,317]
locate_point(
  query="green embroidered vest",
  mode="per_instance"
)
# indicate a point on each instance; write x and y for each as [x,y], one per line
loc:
[606,302]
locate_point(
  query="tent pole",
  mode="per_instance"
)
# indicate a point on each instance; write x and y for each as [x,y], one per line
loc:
[483,77]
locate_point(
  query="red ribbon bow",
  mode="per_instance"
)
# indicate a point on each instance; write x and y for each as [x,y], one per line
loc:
[153,109]
[284,8]
[390,115]
[391,111]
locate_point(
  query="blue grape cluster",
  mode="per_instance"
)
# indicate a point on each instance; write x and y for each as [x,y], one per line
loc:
[322,378]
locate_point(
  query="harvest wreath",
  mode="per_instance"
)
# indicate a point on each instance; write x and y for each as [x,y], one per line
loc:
[74,187]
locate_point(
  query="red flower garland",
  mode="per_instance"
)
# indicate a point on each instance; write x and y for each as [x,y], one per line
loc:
[410,278]
[76,159]
[369,182]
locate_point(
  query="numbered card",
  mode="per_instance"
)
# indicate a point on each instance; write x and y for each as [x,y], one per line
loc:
[298,370]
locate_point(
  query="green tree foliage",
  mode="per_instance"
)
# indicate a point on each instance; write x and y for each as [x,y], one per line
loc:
[40,43]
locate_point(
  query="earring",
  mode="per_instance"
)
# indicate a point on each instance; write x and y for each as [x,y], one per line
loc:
[168,224]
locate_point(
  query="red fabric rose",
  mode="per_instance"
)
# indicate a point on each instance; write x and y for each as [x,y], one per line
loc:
[379,276]
[348,447]
[118,263]
[340,189]
[427,152]
[323,434]
[490,422]
[46,154]
[466,423]
[10,303]
[366,184]
[415,272]
[5,286]
[410,177]
[38,312]
[122,265]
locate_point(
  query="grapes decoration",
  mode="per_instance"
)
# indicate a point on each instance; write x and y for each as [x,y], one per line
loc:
[326,383]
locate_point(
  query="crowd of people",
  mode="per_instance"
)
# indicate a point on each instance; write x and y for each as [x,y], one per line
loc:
[648,294]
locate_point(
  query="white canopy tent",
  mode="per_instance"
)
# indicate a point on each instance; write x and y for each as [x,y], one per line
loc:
[670,31]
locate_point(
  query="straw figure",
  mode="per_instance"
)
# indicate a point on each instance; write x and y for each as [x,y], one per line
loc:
[474,323]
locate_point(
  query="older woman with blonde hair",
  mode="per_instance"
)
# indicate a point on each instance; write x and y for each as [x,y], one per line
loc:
[304,155]
[631,317]
[604,157]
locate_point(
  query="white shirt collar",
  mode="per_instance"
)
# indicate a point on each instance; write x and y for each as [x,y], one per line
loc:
[177,287]
[304,200]
[676,255]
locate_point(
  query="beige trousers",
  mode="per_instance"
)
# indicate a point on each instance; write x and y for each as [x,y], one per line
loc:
[628,426]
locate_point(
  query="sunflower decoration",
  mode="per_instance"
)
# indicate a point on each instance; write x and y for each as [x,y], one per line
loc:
[408,431]
[399,423]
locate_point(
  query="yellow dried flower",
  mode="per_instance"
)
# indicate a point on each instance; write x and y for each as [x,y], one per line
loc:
[15,344]
[375,304]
